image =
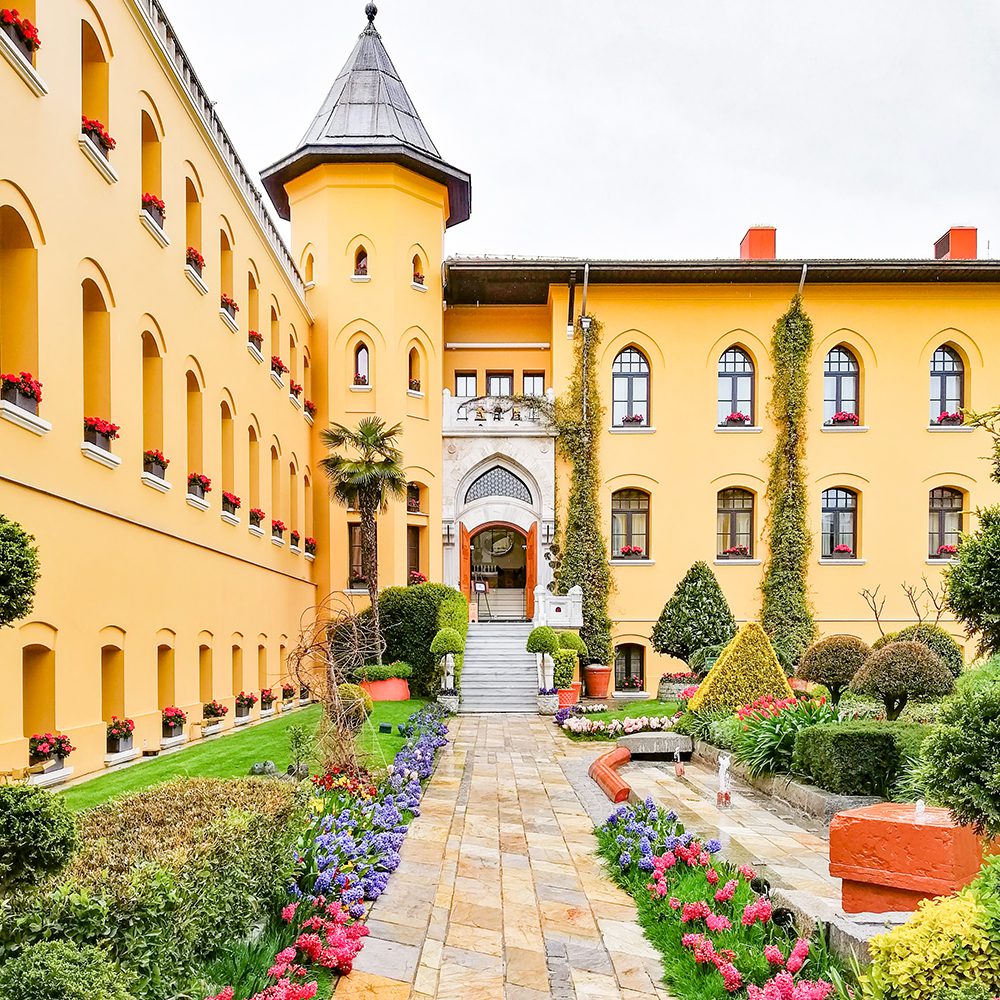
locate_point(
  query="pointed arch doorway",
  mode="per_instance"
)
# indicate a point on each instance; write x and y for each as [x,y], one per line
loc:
[499,570]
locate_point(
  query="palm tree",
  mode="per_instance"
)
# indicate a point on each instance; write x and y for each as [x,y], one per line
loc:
[365,479]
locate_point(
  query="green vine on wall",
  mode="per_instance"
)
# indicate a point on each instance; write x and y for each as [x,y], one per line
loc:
[785,613]
[583,555]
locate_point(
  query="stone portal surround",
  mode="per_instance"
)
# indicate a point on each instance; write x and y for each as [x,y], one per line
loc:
[500,895]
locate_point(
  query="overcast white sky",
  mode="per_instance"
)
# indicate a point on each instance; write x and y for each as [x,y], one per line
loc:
[653,128]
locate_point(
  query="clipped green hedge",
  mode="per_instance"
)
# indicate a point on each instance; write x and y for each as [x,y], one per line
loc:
[384,672]
[856,758]
[410,618]
[939,641]
[58,970]
[564,672]
[37,835]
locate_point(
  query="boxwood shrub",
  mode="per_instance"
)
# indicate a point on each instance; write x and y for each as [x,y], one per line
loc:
[856,758]
[564,671]
[937,639]
[384,672]
[58,970]
[570,640]
[37,835]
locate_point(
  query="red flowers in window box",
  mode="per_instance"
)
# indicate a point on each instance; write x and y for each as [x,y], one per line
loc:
[230,502]
[416,578]
[631,551]
[228,303]
[843,550]
[414,385]
[310,407]
[96,131]
[360,379]
[155,208]
[119,734]
[737,552]
[951,418]
[947,551]
[199,485]
[287,692]
[310,546]
[295,389]
[737,417]
[418,278]
[256,516]
[24,391]
[278,528]
[43,747]
[155,457]
[630,684]
[255,338]
[245,700]
[99,432]
[278,366]
[173,718]
[21,30]
[295,538]
[194,260]
[266,698]
[633,418]
[844,417]
[214,710]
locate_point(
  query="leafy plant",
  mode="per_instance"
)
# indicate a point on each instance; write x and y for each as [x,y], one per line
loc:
[724,732]
[902,670]
[985,673]
[699,658]
[19,572]
[564,671]
[385,671]
[972,584]
[697,615]
[570,640]
[543,639]
[938,640]
[301,747]
[767,739]
[37,835]
[833,662]
[785,612]
[60,970]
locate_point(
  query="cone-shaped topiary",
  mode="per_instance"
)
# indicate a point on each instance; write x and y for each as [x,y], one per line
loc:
[697,615]
[746,670]
[902,670]
[447,640]
[543,640]
[937,639]
[570,640]
[833,662]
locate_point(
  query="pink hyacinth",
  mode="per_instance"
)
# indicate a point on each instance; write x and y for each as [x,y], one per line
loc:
[717,922]
[747,872]
[783,987]
[695,911]
[288,912]
[758,910]
[712,875]
[675,903]
[798,956]
[731,978]
[774,955]
[726,893]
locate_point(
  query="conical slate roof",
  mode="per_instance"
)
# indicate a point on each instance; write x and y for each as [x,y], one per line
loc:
[368,116]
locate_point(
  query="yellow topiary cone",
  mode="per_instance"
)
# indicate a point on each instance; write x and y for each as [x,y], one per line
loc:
[746,670]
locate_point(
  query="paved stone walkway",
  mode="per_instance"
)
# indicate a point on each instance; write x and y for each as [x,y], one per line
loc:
[499,895]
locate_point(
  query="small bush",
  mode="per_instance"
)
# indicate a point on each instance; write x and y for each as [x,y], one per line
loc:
[856,758]
[543,640]
[570,640]
[356,703]
[939,641]
[696,615]
[900,671]
[699,725]
[564,671]
[971,586]
[19,572]
[699,658]
[447,640]
[833,662]
[985,673]
[58,970]
[746,670]
[37,835]
[883,640]
[767,739]
[723,732]
[962,757]
[384,672]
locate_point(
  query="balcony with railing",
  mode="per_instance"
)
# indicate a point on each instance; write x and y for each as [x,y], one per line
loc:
[506,416]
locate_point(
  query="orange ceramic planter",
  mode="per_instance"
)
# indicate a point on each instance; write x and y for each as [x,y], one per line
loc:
[597,678]
[568,697]
[394,689]
[890,861]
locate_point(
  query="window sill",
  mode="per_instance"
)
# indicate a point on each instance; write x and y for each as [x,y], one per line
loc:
[123,757]
[842,562]
[310,557]
[360,388]
[255,530]
[361,277]
[199,503]
[309,286]
[933,561]
[280,542]
[846,429]
[295,401]
[355,592]
[632,562]
[631,430]
[153,229]
[50,778]
[167,742]
[953,429]
[748,429]
[737,562]
[230,518]
[416,287]
[22,67]
[276,379]
[415,393]
[309,419]
[255,354]
[632,695]
[100,456]
[229,321]
[417,513]
[295,550]
[155,483]
[100,163]
[196,279]
[22,418]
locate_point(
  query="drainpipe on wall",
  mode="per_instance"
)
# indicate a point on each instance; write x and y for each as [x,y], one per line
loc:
[802,280]
[585,326]
[571,312]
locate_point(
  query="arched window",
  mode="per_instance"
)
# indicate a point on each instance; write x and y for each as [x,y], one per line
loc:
[96,352]
[498,482]
[293,497]
[947,383]
[418,271]
[206,682]
[361,263]
[228,444]
[840,524]
[361,365]
[253,303]
[262,676]
[630,524]
[276,508]
[192,217]
[275,333]
[293,356]
[38,689]
[225,264]
[630,667]
[945,512]
[307,498]
[840,387]
[194,425]
[736,387]
[413,370]
[112,683]
[237,669]
[253,465]
[93,76]
[18,295]
[165,680]
[734,525]
[152,165]
[152,394]
[630,389]
[310,268]
[306,374]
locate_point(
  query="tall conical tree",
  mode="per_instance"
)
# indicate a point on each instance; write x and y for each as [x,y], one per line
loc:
[785,612]
[697,615]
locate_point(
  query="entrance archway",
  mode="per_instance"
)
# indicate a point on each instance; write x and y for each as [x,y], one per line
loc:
[499,570]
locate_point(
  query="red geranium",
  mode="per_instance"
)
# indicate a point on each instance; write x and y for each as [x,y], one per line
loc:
[228,302]
[951,418]
[25,383]
[173,717]
[197,479]
[151,201]
[49,745]
[256,515]
[101,426]
[294,537]
[26,31]
[246,699]
[214,710]
[277,526]
[277,365]
[295,389]
[310,545]
[155,457]
[255,338]
[287,690]
[844,417]
[195,259]
[310,407]
[95,130]
[120,729]
[231,498]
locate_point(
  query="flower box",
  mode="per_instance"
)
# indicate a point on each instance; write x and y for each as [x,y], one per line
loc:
[22,33]
[278,366]
[277,529]
[198,485]
[950,419]
[195,261]
[631,552]
[360,379]
[228,304]
[155,208]
[230,503]
[632,420]
[310,546]
[119,735]
[155,463]
[735,552]
[843,418]
[173,720]
[310,407]
[98,135]
[256,339]
[548,704]
[841,552]
[946,552]
[256,516]
[39,758]
[304,695]
[414,384]
[119,744]
[736,420]
[49,747]
[99,432]
[23,390]
[242,711]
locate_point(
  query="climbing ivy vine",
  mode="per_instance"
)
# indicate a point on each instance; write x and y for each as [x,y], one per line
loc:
[785,613]
[583,553]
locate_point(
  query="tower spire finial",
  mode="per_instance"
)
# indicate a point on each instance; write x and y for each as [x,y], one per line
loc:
[371,10]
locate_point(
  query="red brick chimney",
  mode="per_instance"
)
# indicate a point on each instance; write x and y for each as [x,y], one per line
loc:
[759,243]
[959,243]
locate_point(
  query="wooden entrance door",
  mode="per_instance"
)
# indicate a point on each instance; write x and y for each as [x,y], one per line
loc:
[530,568]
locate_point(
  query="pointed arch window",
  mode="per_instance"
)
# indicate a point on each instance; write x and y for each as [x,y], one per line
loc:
[945,514]
[498,482]
[630,389]
[841,382]
[362,365]
[418,271]
[413,370]
[630,524]
[839,524]
[736,387]
[734,524]
[361,263]
[947,384]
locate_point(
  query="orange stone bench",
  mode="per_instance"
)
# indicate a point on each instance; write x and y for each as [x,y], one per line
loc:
[604,772]
[889,860]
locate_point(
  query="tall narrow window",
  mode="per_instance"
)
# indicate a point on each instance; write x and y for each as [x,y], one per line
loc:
[840,524]
[194,456]
[152,168]
[276,508]
[253,303]
[361,263]
[225,264]
[253,466]
[152,394]
[38,690]
[944,522]
[308,500]
[840,387]
[275,333]
[630,389]
[630,524]
[499,383]
[309,271]
[293,357]
[94,76]
[412,550]
[165,679]
[734,526]
[263,681]
[307,381]
[947,385]
[630,667]
[237,668]
[418,271]
[413,370]
[355,567]
[18,295]
[465,384]
[96,353]
[362,371]
[112,683]
[206,682]
[736,388]
[228,448]
[192,215]
[293,497]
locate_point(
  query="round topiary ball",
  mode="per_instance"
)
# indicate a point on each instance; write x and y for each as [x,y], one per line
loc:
[570,640]
[37,835]
[543,639]
[936,638]
[900,671]
[356,704]
[833,662]
[447,640]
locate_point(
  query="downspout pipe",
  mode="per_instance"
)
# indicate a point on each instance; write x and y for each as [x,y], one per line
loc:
[802,280]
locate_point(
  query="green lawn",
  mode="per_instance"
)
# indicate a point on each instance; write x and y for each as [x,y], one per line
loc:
[633,709]
[232,755]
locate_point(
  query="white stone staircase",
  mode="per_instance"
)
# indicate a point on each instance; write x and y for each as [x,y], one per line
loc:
[502,605]
[498,674]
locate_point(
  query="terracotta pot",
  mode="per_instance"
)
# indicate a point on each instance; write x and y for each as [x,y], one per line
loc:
[598,677]
[577,687]
[393,689]
[568,697]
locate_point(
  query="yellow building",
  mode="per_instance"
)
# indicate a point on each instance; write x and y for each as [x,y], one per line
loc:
[144,284]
